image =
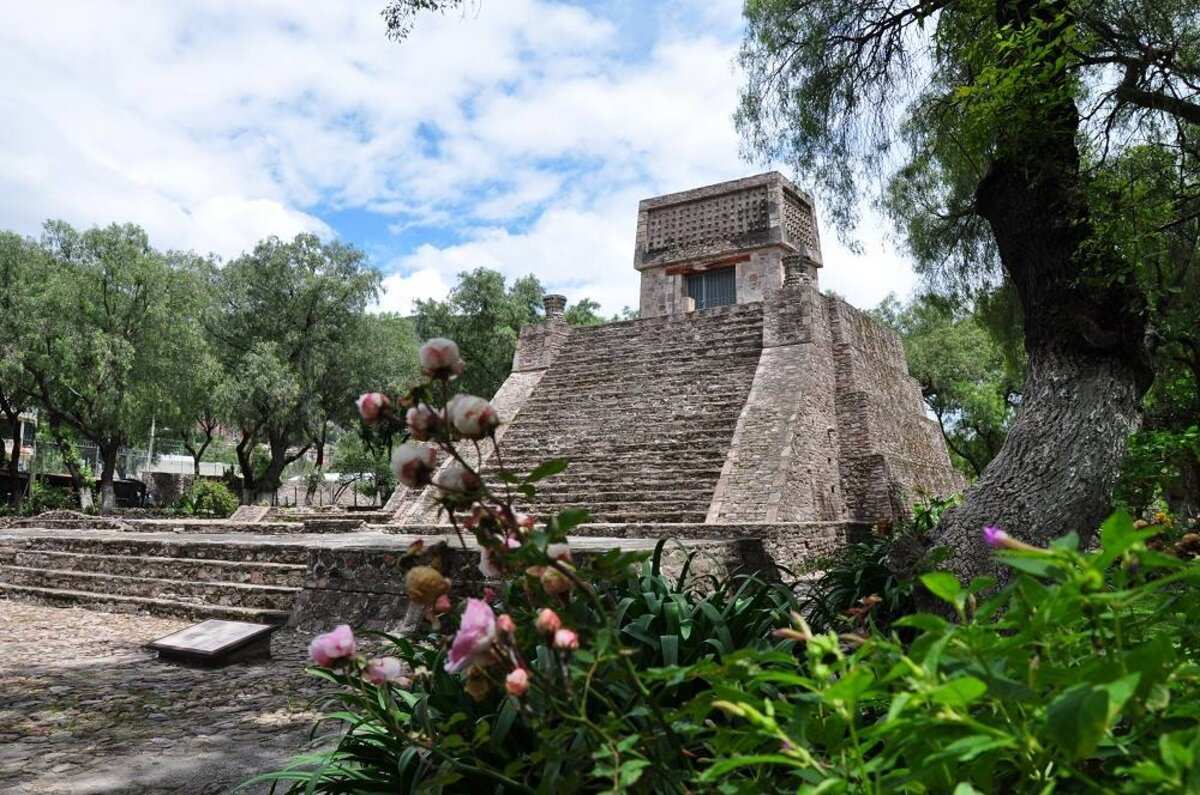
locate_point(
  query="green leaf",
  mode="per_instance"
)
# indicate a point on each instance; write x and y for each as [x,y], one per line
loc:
[1077,719]
[546,469]
[926,621]
[958,692]
[571,518]
[944,586]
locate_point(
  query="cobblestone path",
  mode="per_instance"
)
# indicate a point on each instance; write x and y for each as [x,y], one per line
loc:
[85,709]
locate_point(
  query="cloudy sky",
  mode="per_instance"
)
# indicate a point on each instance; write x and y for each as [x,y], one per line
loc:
[518,136]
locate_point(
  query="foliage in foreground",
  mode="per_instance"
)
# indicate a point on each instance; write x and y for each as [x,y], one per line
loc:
[603,675]
[1079,675]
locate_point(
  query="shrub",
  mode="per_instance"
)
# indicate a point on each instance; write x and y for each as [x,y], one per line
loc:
[875,578]
[1080,675]
[208,498]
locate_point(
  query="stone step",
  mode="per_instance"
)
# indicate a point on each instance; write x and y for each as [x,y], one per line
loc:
[202,594]
[138,604]
[226,571]
[688,353]
[190,549]
[689,496]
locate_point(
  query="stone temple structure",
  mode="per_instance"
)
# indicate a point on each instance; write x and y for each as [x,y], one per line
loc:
[742,401]
[744,415]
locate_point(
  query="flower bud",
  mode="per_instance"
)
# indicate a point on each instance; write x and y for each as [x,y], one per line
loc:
[423,422]
[473,417]
[371,405]
[517,682]
[414,463]
[333,646]
[384,669]
[440,359]
[548,621]
[566,640]
[442,605]
[425,585]
[505,623]
[457,479]
[554,582]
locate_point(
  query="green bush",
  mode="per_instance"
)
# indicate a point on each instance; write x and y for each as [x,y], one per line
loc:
[598,724]
[42,498]
[208,498]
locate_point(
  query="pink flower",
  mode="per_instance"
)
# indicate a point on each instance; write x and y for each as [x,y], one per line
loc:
[524,521]
[517,682]
[384,669]
[371,405]
[442,605]
[560,552]
[548,621]
[414,463]
[505,624]
[471,416]
[491,559]
[333,646]
[489,595]
[566,640]
[994,537]
[457,479]
[476,634]
[439,358]
[423,421]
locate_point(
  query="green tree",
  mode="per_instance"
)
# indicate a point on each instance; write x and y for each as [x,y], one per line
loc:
[112,327]
[484,316]
[19,259]
[988,124]
[284,315]
[965,378]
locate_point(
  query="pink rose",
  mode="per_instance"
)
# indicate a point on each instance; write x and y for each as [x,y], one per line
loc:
[457,479]
[517,682]
[560,552]
[524,521]
[439,358]
[333,646]
[442,605]
[414,463]
[548,621]
[423,421]
[505,624]
[473,417]
[490,596]
[476,634]
[491,559]
[566,640]
[384,669]
[371,405]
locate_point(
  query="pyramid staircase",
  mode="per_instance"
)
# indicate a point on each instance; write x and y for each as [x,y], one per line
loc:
[184,579]
[644,410]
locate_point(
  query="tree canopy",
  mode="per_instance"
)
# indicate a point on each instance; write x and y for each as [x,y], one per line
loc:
[1003,137]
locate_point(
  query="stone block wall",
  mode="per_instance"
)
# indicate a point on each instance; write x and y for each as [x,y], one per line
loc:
[890,450]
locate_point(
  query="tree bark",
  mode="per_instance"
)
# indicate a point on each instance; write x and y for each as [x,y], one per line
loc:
[108,494]
[1085,336]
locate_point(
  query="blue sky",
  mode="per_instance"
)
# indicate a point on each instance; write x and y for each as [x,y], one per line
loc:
[518,135]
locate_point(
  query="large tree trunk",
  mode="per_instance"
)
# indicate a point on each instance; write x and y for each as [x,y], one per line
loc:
[1056,470]
[108,494]
[1084,334]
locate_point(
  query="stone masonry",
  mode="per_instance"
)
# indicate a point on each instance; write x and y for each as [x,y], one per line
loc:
[786,407]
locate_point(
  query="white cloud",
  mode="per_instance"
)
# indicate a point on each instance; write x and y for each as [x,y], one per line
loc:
[523,134]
